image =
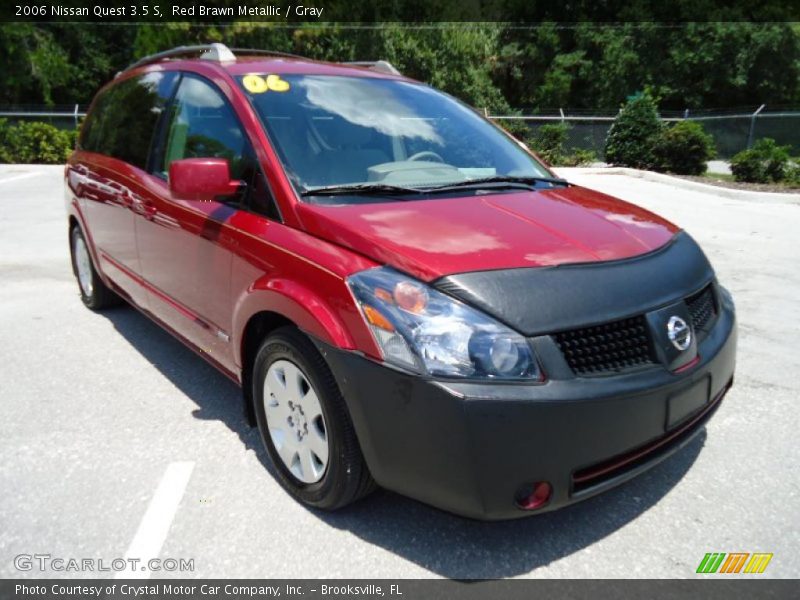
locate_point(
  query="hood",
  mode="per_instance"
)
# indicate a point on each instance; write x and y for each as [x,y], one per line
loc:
[435,237]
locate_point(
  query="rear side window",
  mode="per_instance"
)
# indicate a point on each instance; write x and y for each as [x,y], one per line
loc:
[90,132]
[124,117]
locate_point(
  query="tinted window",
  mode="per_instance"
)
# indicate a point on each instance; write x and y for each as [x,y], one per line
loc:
[125,116]
[202,124]
[90,132]
[259,197]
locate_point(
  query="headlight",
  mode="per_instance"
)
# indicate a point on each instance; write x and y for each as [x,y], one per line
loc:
[421,329]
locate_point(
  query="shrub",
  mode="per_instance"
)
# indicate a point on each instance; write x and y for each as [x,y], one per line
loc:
[5,156]
[36,142]
[516,128]
[72,140]
[550,141]
[683,148]
[776,158]
[748,166]
[792,175]
[579,158]
[764,162]
[632,136]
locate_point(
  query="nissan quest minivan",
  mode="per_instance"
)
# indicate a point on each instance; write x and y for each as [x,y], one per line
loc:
[407,296]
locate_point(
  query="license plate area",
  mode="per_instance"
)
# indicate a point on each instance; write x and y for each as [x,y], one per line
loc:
[687,402]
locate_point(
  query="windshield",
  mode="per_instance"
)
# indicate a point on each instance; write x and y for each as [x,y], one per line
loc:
[336,131]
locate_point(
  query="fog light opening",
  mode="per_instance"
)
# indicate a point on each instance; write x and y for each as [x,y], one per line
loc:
[533,495]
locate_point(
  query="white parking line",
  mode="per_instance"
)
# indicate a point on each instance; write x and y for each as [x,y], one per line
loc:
[156,522]
[21,176]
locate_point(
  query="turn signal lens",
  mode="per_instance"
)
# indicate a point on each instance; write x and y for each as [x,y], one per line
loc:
[377,319]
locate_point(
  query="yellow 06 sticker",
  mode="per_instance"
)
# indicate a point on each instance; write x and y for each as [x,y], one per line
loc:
[257,84]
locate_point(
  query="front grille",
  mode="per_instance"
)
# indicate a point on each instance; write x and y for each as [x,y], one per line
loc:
[611,347]
[702,309]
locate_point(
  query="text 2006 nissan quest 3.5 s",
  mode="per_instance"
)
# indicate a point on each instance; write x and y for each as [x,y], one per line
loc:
[406,295]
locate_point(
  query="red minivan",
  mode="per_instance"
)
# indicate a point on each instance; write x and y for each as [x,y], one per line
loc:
[407,297]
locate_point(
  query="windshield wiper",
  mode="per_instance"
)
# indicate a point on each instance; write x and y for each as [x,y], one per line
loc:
[365,189]
[498,181]
[385,189]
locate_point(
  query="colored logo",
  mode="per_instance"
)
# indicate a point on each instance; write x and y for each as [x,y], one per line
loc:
[679,333]
[256,84]
[734,562]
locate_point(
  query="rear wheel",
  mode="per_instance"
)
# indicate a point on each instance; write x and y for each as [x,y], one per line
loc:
[94,293]
[305,425]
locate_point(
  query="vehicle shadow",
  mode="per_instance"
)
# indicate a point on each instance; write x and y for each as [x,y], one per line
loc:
[216,396]
[444,544]
[461,548]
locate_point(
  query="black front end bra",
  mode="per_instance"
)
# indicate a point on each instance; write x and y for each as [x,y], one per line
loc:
[618,396]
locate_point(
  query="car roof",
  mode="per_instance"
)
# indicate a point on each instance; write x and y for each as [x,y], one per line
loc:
[243,61]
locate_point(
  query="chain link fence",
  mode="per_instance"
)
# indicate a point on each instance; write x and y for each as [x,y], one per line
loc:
[63,116]
[732,131]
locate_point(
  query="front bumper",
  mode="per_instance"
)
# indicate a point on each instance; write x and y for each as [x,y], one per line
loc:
[468,447]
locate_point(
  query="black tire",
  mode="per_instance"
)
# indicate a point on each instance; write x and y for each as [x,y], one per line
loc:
[346,478]
[101,295]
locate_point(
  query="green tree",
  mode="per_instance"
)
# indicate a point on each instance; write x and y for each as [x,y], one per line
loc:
[457,60]
[584,64]
[34,64]
[59,63]
[701,64]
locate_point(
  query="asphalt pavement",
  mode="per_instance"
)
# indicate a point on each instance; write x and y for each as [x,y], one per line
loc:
[116,441]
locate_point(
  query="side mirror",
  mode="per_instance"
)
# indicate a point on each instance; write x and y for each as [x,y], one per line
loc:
[201,179]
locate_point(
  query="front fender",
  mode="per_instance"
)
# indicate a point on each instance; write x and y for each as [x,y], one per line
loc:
[296,302]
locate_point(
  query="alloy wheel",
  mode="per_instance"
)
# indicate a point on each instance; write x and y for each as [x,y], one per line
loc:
[295,421]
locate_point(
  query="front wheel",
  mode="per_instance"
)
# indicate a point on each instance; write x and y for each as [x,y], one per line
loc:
[305,425]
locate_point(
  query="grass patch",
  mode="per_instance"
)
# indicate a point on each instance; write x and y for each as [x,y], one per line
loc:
[719,176]
[728,180]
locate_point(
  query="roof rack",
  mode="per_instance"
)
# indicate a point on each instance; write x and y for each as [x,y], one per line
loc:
[218,52]
[382,66]
[267,52]
[221,53]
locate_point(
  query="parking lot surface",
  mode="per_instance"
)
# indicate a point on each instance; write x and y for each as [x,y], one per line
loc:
[116,440]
